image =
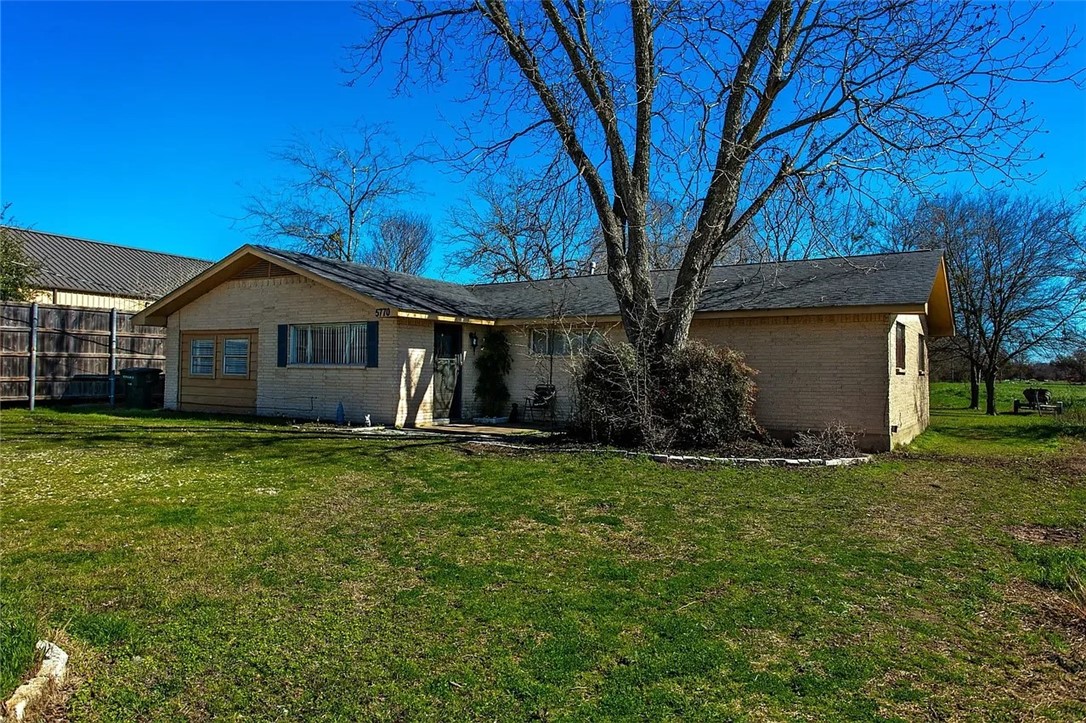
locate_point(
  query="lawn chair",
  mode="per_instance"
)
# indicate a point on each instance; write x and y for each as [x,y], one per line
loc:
[542,399]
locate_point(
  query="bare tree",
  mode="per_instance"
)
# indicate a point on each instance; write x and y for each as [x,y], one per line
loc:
[797,223]
[402,242]
[1017,271]
[334,187]
[668,226]
[732,100]
[523,228]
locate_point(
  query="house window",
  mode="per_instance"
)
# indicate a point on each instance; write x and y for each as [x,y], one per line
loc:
[556,342]
[922,350]
[202,357]
[899,332]
[328,344]
[541,341]
[235,357]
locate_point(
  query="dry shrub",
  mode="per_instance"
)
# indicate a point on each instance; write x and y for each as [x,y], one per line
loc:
[835,440]
[1076,594]
[610,403]
[694,397]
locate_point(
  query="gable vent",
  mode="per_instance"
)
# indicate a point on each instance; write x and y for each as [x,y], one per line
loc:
[262,270]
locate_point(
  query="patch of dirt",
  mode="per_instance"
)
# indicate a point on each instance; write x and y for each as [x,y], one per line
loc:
[1072,466]
[1050,679]
[750,449]
[1056,611]
[1046,534]
[498,450]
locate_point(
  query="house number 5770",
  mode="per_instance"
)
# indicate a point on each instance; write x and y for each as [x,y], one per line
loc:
[381,313]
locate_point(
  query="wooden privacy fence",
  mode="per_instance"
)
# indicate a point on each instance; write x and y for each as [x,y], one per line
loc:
[70,352]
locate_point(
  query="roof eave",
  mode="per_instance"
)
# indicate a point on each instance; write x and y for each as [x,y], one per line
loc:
[445,318]
[733,314]
[939,310]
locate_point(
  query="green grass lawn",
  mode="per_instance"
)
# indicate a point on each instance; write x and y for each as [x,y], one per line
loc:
[957,430]
[212,568]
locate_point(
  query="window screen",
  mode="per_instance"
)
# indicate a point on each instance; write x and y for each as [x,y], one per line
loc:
[540,341]
[235,357]
[202,357]
[331,344]
[557,342]
[899,331]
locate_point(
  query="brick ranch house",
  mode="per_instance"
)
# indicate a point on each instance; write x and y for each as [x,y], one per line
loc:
[273,332]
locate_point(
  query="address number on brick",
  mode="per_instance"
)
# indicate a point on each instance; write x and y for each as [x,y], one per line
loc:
[382,312]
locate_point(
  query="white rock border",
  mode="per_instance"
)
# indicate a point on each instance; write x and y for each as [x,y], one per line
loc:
[691,459]
[760,461]
[29,695]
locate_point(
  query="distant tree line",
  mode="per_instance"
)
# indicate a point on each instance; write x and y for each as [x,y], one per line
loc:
[1066,368]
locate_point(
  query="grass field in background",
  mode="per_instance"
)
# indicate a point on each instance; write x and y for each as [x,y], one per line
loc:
[957,429]
[211,568]
[952,395]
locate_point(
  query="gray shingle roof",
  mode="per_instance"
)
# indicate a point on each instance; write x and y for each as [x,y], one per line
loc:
[403,291]
[76,264]
[870,280]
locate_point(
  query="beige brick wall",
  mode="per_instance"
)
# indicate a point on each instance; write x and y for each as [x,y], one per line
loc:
[530,370]
[909,402]
[173,357]
[296,391]
[813,370]
[415,372]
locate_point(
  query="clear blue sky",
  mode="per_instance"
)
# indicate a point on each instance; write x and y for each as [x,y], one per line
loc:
[145,123]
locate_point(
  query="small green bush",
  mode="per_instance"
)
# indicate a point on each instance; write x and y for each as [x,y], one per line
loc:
[694,397]
[1073,420]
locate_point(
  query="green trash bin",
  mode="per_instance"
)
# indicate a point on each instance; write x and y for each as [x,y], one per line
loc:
[141,386]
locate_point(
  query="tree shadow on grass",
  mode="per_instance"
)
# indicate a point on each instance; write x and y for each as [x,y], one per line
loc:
[200,437]
[302,447]
[969,425]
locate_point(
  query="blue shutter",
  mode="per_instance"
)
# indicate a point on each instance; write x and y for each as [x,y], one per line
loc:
[284,342]
[371,343]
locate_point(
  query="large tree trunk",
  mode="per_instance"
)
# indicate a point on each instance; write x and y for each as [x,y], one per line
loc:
[989,391]
[974,386]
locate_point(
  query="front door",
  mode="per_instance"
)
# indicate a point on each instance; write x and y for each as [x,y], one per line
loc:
[447,361]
